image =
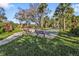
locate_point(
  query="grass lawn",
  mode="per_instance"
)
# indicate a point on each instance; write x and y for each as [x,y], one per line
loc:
[31,45]
[6,34]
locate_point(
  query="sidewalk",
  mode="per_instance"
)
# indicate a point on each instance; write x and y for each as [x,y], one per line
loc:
[11,38]
[52,35]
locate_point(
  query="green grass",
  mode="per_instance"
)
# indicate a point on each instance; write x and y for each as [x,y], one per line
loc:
[26,45]
[6,34]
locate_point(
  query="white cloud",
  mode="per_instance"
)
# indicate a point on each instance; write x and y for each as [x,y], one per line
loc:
[4,4]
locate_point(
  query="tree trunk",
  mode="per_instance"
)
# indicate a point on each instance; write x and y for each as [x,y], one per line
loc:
[41,21]
[54,24]
[20,23]
[64,25]
[58,24]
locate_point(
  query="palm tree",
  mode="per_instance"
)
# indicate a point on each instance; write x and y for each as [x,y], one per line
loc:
[57,16]
[63,11]
[69,15]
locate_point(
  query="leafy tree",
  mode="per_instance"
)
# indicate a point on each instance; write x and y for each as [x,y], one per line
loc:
[32,12]
[2,14]
[42,11]
[46,21]
[74,22]
[20,15]
[27,14]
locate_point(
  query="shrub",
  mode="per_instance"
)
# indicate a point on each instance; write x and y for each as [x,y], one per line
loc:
[75,31]
[1,30]
[8,27]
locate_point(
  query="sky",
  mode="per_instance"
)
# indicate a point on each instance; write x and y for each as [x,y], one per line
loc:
[11,9]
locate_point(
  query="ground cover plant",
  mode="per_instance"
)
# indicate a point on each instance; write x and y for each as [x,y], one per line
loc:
[33,45]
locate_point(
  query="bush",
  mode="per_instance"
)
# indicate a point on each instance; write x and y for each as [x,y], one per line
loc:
[75,31]
[1,30]
[8,27]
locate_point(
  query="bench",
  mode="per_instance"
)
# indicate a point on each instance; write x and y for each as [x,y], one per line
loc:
[37,31]
[41,32]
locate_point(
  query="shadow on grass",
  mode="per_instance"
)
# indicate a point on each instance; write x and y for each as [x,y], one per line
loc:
[73,40]
[69,37]
[36,46]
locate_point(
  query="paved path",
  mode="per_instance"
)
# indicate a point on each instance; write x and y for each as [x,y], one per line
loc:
[10,38]
[52,34]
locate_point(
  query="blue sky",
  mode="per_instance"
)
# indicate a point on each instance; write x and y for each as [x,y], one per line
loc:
[12,8]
